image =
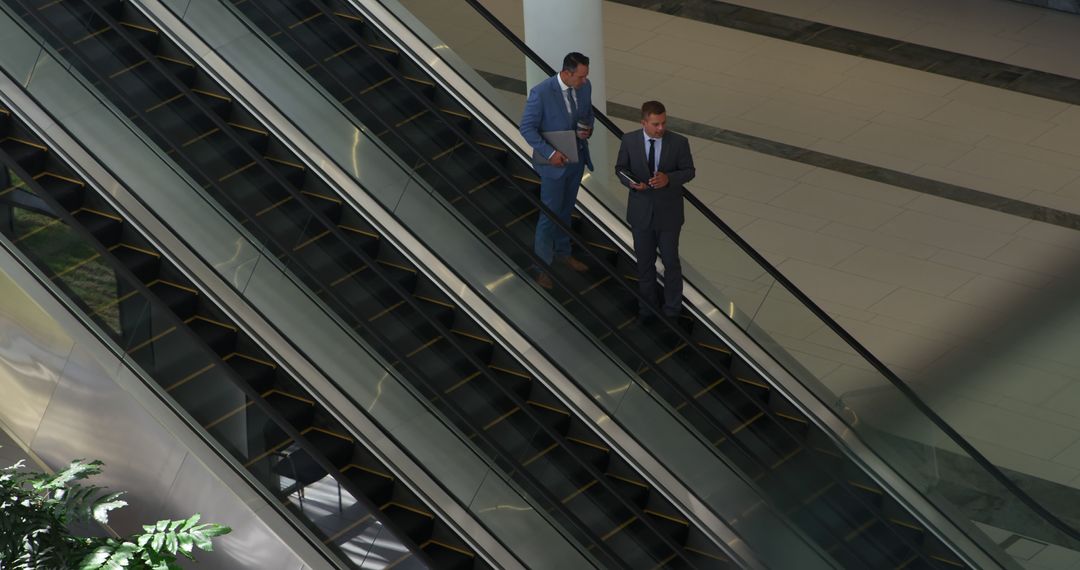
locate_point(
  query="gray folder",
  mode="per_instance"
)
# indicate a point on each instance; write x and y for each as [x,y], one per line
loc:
[563,141]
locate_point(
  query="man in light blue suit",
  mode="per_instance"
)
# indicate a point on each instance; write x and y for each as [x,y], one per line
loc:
[559,103]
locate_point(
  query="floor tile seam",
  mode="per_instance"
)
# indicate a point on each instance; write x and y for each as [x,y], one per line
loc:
[933,60]
[891,177]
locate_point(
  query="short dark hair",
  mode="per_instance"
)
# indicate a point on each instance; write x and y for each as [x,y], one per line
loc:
[652,108]
[572,60]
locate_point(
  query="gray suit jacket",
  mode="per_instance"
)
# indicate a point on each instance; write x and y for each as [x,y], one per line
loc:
[656,209]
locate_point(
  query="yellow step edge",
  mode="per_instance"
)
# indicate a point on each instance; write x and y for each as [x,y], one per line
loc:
[198,138]
[671,518]
[305,20]
[396,265]
[348,16]
[190,377]
[367,470]
[60,177]
[214,322]
[448,547]
[634,482]
[461,114]
[517,373]
[330,433]
[786,458]
[588,443]
[423,347]
[340,53]
[866,487]
[289,163]
[447,151]
[150,340]
[481,186]
[579,491]
[528,214]
[745,424]
[280,392]
[548,407]
[619,528]
[703,553]
[175,60]
[76,266]
[861,529]
[461,382]
[376,85]
[788,416]
[248,128]
[173,285]
[410,508]
[473,336]
[311,240]
[359,231]
[273,206]
[671,353]
[267,453]
[229,414]
[347,276]
[419,80]
[347,528]
[708,388]
[27,143]
[162,103]
[237,171]
[116,74]
[91,35]
[410,118]
[250,358]
[212,94]
[141,250]
[311,194]
[542,453]
[385,311]
[99,213]
[435,301]
[714,347]
[752,382]
[595,285]
[141,27]
[495,421]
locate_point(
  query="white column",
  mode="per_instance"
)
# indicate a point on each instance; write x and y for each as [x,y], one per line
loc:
[554,28]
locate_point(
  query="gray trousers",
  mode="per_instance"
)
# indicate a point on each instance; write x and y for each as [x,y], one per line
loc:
[646,243]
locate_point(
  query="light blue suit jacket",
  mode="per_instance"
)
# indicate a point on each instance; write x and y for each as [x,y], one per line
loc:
[545,110]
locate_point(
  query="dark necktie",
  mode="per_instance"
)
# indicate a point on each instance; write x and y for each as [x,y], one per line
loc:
[573,104]
[652,156]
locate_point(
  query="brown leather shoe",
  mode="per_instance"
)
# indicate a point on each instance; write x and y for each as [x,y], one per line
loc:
[574,264]
[544,280]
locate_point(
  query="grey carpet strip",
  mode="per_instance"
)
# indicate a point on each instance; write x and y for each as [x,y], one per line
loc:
[870,46]
[896,178]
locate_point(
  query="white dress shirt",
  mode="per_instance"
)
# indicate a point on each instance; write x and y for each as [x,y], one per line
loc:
[566,98]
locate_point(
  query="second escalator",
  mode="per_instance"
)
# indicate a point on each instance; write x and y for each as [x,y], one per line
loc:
[754,427]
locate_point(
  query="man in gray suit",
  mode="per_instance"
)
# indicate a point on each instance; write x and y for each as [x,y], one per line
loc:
[655,164]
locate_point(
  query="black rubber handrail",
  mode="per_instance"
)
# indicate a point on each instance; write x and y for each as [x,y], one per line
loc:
[865,353]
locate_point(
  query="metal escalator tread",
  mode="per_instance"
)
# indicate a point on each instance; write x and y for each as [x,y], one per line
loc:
[475,172]
[205,362]
[373,287]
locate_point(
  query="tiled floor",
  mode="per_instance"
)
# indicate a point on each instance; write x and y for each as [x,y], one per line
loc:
[973,306]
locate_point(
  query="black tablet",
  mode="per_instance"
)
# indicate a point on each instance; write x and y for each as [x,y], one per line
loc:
[628,177]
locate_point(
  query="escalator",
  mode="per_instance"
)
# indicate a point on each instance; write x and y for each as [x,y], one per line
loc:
[558,459]
[245,400]
[795,464]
